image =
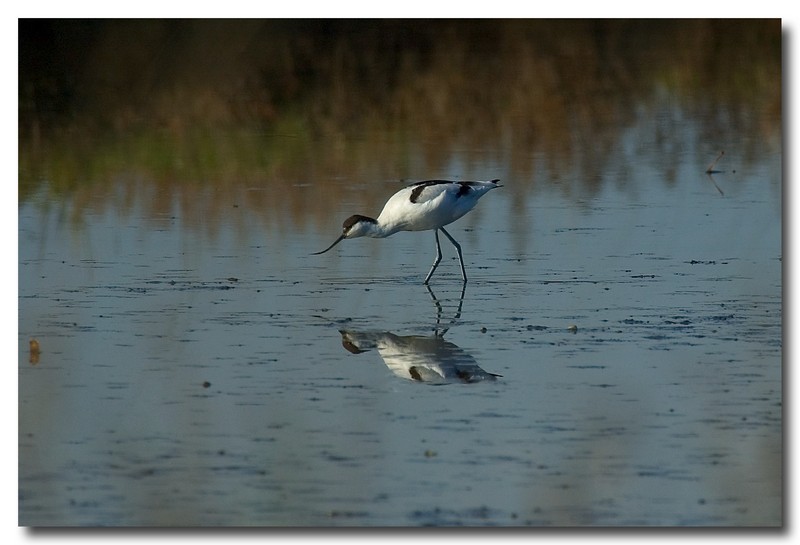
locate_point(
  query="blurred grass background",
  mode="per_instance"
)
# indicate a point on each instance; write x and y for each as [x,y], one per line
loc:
[357,74]
[188,103]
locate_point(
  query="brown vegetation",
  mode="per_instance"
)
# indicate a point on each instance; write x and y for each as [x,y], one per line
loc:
[189,103]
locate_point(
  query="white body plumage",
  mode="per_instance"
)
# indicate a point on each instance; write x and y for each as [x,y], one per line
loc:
[423,206]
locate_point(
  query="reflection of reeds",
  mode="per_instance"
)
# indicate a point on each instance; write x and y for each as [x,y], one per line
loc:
[233,104]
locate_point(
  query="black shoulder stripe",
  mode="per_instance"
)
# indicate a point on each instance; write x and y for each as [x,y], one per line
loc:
[464,187]
[433,182]
[420,187]
[416,191]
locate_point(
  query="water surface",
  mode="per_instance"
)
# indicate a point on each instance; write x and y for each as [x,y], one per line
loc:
[615,358]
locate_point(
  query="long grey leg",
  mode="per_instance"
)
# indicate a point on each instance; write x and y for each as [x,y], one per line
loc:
[438,256]
[458,249]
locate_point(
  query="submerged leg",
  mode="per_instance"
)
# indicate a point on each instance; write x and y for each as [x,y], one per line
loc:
[438,256]
[458,249]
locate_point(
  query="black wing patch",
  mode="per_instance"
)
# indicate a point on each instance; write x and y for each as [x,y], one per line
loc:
[419,187]
[464,189]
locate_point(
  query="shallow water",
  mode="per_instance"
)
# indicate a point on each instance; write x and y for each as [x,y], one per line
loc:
[614,359]
[186,379]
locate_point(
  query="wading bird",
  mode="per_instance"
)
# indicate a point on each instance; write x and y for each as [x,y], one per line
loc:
[420,207]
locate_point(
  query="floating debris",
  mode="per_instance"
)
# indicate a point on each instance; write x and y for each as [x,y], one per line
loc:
[572,328]
[34,350]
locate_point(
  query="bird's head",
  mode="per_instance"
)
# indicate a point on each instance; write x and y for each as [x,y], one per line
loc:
[353,227]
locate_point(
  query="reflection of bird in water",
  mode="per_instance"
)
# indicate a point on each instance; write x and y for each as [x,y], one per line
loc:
[420,207]
[416,357]
[710,170]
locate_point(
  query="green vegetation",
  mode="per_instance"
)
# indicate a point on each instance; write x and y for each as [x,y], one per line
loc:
[194,103]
